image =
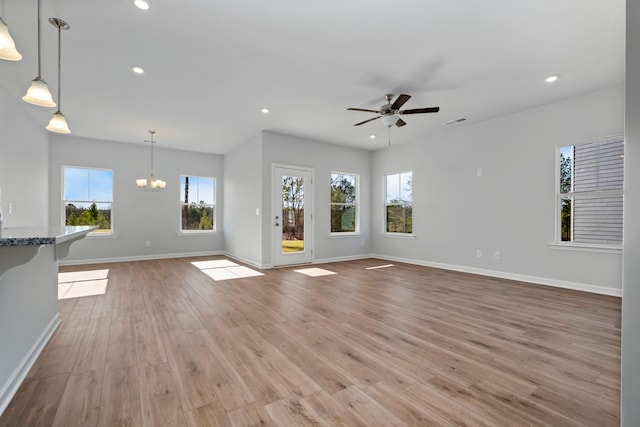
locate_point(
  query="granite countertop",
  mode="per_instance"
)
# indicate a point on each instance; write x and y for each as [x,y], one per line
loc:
[29,236]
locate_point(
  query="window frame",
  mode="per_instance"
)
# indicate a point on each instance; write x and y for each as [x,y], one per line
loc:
[384,232]
[213,205]
[558,243]
[63,213]
[355,204]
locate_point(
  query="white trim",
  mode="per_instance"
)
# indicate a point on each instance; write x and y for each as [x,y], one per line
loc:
[101,235]
[342,258]
[10,387]
[603,290]
[247,261]
[344,234]
[398,235]
[140,258]
[187,233]
[586,247]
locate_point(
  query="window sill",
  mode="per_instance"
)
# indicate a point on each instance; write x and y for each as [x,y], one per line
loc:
[197,233]
[586,247]
[100,235]
[345,234]
[399,235]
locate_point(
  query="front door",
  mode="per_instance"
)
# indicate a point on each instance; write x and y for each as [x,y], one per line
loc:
[292,214]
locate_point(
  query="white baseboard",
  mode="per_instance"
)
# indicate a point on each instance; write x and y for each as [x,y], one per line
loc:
[247,261]
[603,290]
[315,261]
[343,258]
[10,388]
[139,258]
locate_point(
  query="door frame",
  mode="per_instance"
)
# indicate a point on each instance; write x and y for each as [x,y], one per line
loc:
[276,208]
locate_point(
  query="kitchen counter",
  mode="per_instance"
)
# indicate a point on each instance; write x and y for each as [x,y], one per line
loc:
[19,245]
[28,236]
[29,308]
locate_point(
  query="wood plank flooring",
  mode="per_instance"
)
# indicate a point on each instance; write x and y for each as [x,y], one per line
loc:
[398,346]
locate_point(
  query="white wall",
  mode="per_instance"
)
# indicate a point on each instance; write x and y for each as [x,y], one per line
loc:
[243,195]
[24,153]
[323,159]
[511,208]
[631,274]
[137,216]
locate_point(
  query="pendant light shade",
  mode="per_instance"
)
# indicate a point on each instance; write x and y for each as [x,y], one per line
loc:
[8,49]
[38,93]
[58,123]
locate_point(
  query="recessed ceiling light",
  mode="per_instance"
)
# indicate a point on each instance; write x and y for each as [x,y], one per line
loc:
[137,69]
[142,4]
[372,136]
[265,110]
[552,78]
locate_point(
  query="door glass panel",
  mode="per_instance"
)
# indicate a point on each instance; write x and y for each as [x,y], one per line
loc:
[292,214]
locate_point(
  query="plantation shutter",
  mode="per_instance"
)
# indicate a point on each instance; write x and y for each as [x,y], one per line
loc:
[597,187]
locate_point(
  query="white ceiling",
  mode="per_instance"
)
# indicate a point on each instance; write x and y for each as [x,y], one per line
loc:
[212,65]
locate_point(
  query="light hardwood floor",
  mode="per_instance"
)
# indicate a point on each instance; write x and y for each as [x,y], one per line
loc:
[405,345]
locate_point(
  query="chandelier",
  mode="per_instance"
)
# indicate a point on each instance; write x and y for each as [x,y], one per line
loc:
[152,183]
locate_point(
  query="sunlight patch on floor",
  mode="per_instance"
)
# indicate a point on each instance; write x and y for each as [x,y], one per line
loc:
[77,284]
[315,272]
[379,266]
[223,269]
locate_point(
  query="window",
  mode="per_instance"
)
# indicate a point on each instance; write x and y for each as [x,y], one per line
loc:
[590,192]
[344,210]
[197,203]
[398,203]
[88,197]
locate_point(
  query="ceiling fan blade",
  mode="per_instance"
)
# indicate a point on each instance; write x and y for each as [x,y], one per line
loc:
[400,100]
[363,109]
[367,121]
[421,110]
[400,123]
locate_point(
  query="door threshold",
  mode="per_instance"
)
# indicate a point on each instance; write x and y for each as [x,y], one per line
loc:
[303,264]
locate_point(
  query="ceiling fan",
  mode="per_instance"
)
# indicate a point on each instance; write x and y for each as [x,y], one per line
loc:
[390,113]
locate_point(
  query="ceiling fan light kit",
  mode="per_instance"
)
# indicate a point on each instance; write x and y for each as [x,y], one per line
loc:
[390,113]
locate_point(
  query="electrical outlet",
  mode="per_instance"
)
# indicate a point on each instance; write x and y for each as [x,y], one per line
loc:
[497,255]
[479,253]
[148,243]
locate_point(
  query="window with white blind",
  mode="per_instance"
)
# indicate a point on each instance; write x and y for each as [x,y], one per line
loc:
[590,192]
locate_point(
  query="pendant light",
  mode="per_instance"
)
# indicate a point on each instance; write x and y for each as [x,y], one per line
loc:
[8,49]
[58,123]
[38,93]
[153,183]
